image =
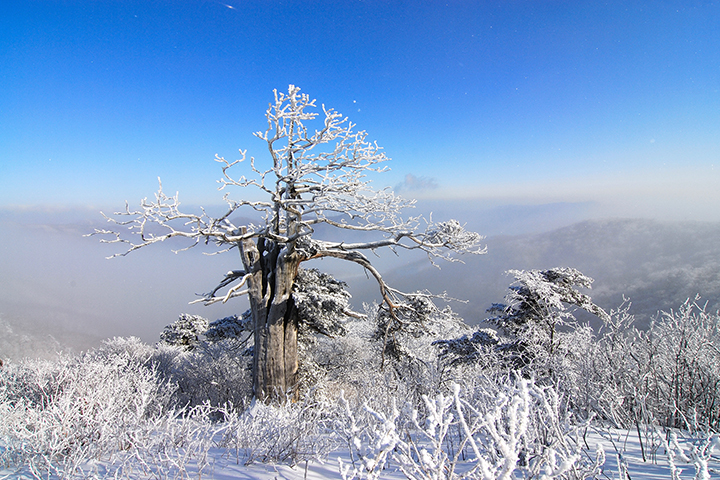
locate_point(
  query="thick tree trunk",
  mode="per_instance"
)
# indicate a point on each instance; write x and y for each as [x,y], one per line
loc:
[275,322]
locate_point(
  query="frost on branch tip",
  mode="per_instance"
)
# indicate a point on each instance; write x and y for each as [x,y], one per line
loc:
[453,236]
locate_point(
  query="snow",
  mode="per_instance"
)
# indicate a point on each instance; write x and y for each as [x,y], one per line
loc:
[226,464]
[115,413]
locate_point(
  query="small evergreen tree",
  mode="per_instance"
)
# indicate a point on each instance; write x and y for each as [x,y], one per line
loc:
[185,331]
[539,303]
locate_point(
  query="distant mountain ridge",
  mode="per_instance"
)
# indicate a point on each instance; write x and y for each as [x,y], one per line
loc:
[657,265]
[60,292]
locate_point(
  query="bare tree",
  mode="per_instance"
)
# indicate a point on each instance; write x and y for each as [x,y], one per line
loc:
[316,176]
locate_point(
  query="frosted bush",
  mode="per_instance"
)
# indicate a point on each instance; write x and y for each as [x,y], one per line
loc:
[521,433]
[371,436]
[666,375]
[185,331]
[629,377]
[684,362]
[209,362]
[291,432]
[57,414]
[218,373]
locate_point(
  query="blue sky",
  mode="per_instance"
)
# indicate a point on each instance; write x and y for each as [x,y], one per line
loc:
[510,101]
[528,115]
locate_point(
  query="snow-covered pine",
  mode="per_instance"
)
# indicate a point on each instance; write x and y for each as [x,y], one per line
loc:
[322,302]
[407,331]
[232,327]
[538,305]
[185,331]
[476,348]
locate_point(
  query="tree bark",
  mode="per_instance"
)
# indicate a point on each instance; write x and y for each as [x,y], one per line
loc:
[275,322]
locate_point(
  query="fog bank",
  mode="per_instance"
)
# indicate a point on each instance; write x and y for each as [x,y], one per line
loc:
[60,292]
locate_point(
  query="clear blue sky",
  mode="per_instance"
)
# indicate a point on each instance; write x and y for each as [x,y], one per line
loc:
[546,100]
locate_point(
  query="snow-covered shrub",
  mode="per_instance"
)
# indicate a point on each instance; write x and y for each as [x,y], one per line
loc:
[371,435]
[695,451]
[364,364]
[350,362]
[291,432]
[407,343]
[550,445]
[668,374]
[56,414]
[515,430]
[683,362]
[217,373]
[208,361]
[609,382]
[185,331]
[174,445]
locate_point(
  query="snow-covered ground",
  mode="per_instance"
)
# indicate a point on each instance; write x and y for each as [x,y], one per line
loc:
[135,411]
[225,464]
[625,446]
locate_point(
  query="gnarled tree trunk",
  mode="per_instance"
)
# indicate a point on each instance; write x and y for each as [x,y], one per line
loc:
[275,321]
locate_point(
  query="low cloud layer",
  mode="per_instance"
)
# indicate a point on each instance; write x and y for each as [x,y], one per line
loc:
[59,291]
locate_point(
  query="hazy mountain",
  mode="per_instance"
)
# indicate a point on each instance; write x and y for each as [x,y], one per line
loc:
[58,291]
[657,265]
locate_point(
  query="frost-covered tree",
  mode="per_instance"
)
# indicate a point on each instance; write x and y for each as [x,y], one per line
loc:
[476,348]
[316,176]
[232,327]
[322,303]
[185,331]
[539,303]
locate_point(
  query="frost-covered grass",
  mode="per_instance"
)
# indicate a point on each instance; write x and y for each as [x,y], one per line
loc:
[130,410]
[112,413]
[275,442]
